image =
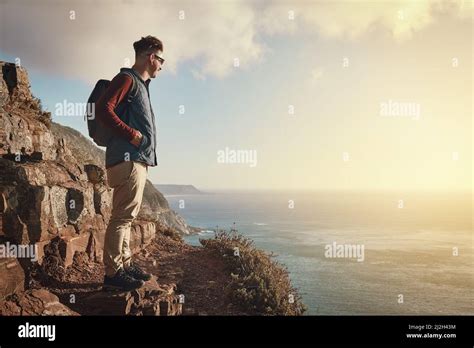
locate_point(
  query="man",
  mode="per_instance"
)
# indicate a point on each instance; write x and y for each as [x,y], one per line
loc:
[126,109]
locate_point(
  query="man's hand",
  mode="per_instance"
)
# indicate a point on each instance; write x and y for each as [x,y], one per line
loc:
[137,139]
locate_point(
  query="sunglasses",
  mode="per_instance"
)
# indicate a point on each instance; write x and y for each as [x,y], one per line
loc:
[161,60]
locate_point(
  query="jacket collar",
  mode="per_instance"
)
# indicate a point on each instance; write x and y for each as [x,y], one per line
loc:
[147,82]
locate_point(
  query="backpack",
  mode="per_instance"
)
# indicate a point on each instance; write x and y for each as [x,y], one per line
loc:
[97,131]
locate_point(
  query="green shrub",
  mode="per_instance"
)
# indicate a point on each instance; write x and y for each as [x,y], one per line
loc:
[259,284]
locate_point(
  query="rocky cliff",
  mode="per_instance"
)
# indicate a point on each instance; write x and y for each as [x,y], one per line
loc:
[53,188]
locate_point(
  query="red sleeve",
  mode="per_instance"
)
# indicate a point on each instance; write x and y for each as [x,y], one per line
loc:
[105,108]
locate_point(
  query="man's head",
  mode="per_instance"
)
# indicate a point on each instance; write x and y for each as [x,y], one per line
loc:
[148,54]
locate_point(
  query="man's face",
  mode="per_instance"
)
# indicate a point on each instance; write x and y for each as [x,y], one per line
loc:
[156,61]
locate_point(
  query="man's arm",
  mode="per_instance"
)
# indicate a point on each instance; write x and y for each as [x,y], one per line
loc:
[105,108]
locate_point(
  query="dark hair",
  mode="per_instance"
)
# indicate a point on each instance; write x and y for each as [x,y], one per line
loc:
[147,44]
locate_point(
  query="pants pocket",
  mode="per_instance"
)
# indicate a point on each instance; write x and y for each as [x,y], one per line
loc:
[119,173]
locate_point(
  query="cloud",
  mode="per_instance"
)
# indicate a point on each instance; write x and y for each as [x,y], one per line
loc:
[89,40]
[198,75]
[317,73]
[351,19]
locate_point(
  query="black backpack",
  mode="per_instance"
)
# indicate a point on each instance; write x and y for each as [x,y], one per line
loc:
[97,131]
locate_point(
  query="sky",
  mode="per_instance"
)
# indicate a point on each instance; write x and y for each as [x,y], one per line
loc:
[308,95]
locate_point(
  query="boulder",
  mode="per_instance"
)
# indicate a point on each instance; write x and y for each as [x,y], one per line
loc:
[151,299]
[35,302]
[12,277]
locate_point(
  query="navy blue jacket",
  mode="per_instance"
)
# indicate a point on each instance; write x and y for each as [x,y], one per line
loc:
[138,114]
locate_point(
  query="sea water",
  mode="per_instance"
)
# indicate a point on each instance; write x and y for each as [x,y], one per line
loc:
[418,246]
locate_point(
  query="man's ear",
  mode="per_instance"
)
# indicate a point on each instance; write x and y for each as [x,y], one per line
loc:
[149,58]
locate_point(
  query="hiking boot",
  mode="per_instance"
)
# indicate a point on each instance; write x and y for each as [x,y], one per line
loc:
[121,280]
[137,273]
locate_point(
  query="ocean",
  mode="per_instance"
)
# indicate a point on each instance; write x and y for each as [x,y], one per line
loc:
[412,252]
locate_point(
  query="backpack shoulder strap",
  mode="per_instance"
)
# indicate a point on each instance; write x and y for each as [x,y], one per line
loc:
[134,90]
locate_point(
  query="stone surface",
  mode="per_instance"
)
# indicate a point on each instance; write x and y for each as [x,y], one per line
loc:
[24,127]
[34,302]
[80,243]
[142,233]
[151,299]
[12,277]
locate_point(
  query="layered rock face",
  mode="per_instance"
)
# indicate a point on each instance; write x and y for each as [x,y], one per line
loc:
[53,190]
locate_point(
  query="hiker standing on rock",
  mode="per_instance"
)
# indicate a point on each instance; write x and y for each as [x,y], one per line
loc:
[126,126]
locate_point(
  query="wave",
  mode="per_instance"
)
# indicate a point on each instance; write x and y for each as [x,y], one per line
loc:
[203,232]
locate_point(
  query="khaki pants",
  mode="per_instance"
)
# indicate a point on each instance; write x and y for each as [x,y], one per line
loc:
[128,181]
